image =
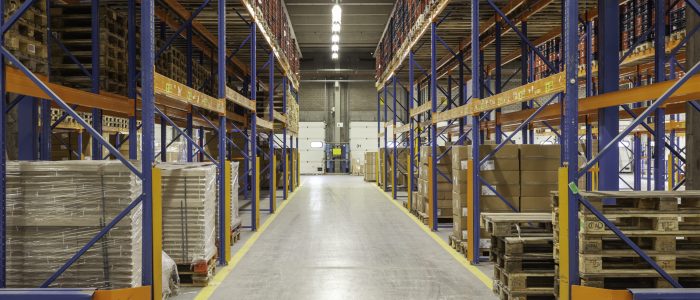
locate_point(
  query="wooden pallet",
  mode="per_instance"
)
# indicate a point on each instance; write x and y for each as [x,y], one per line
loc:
[235,234]
[526,281]
[198,274]
[517,224]
[535,294]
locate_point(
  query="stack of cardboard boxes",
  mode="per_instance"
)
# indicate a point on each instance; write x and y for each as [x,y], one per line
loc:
[444,187]
[523,175]
[460,155]
[538,175]
[370,166]
[502,173]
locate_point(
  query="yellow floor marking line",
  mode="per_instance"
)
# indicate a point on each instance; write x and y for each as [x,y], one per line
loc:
[488,282]
[207,291]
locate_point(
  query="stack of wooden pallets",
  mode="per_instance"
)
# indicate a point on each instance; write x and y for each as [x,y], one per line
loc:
[665,224]
[189,219]
[521,247]
[55,208]
[27,39]
[72,27]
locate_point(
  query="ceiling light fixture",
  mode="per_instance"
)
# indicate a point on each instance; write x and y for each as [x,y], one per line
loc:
[336,20]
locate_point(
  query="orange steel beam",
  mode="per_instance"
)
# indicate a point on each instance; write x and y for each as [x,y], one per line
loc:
[689,91]
[19,83]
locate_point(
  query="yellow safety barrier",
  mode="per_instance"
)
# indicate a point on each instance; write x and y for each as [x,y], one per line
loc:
[157,234]
[563,189]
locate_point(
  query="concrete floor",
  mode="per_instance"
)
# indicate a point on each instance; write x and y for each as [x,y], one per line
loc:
[340,238]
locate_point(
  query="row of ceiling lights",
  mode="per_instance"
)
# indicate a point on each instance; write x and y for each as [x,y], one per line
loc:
[336,12]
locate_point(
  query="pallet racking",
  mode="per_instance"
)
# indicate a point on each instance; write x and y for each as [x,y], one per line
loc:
[216,31]
[571,76]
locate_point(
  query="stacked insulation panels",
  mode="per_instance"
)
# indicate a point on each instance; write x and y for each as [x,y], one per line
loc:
[55,208]
[189,212]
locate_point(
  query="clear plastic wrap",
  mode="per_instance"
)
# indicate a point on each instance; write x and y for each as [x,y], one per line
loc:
[235,218]
[189,211]
[170,279]
[54,208]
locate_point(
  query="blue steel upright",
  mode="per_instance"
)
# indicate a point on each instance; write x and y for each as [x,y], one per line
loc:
[569,127]
[95,72]
[131,79]
[411,152]
[3,159]
[609,81]
[147,119]
[271,135]
[252,138]
[474,236]
[659,114]
[393,131]
[285,88]
[221,94]
[433,132]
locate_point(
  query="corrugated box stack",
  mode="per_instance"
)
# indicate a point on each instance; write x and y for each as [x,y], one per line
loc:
[55,208]
[538,174]
[502,172]
[235,217]
[189,214]
[444,187]
[381,175]
[460,154]
[370,166]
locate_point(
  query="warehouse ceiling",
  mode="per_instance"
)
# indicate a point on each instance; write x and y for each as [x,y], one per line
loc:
[363,22]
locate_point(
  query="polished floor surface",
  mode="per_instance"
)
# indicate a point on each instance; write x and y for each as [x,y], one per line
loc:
[340,238]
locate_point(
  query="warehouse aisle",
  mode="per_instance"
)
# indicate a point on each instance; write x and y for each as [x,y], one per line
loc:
[340,238]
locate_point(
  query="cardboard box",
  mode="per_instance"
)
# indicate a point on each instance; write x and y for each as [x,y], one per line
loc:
[540,151]
[535,204]
[495,204]
[537,190]
[539,177]
[506,190]
[459,200]
[425,155]
[540,164]
[501,164]
[460,153]
[507,151]
[460,187]
[500,177]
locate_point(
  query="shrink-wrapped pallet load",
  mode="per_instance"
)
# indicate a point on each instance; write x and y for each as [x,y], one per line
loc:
[55,207]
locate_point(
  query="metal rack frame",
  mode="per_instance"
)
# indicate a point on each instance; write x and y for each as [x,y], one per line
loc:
[157,92]
[600,103]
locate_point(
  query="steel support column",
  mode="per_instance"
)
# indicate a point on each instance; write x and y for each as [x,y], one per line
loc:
[609,81]
[433,127]
[497,90]
[411,152]
[659,76]
[95,72]
[524,74]
[271,135]
[3,157]
[147,117]
[221,94]
[393,133]
[253,124]
[474,234]
[569,128]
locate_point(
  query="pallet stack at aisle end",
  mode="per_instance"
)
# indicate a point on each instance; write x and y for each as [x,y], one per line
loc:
[189,219]
[444,186]
[521,248]
[458,238]
[662,223]
[370,166]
